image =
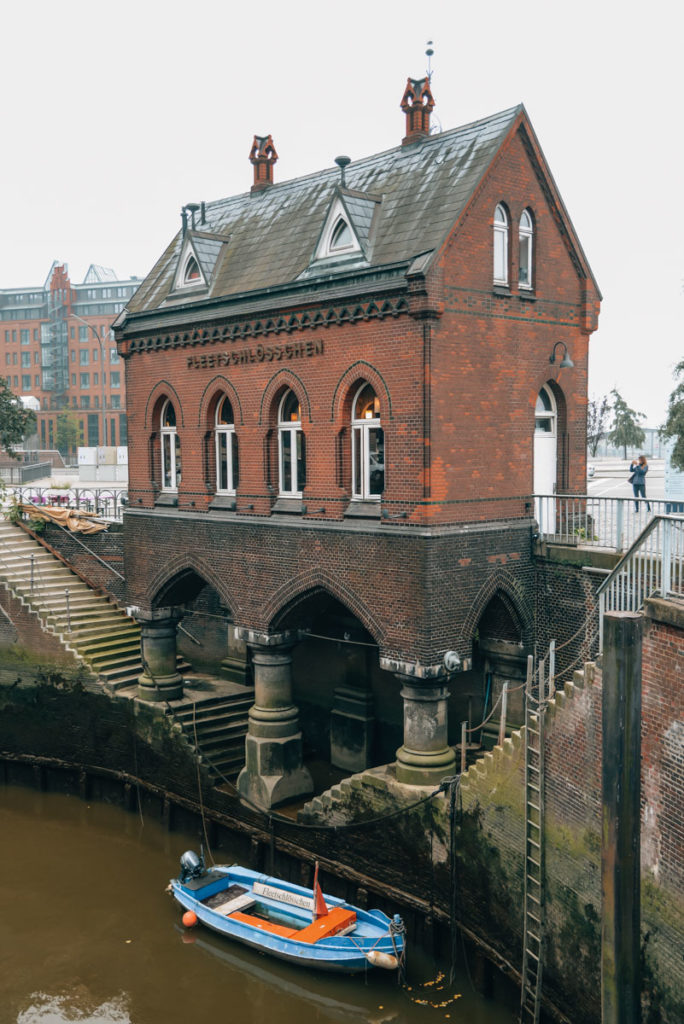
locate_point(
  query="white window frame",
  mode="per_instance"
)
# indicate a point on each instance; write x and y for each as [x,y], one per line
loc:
[325,246]
[290,437]
[170,451]
[361,453]
[541,413]
[500,249]
[526,241]
[226,438]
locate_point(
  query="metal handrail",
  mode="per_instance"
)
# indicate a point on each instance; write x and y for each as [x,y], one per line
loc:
[654,564]
[108,499]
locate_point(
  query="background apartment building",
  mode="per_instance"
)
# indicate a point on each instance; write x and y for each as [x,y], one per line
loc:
[57,353]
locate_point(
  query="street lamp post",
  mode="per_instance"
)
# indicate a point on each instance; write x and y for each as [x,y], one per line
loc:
[102,386]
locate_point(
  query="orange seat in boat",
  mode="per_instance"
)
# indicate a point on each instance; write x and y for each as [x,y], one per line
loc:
[339,919]
[265,926]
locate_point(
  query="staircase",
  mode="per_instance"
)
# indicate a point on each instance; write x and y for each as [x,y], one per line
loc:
[215,728]
[211,716]
[90,625]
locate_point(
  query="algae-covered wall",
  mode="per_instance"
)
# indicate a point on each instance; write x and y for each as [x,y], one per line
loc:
[492,795]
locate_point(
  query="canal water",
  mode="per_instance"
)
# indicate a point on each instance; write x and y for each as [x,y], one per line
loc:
[88,936]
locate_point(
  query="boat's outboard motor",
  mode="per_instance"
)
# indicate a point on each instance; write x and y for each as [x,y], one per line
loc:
[192,866]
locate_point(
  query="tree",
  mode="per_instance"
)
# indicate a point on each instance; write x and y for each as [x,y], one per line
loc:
[15,420]
[68,432]
[674,424]
[626,431]
[597,422]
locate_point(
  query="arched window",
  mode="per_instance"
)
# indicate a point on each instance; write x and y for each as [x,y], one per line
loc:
[170,449]
[291,447]
[341,237]
[525,236]
[226,449]
[500,245]
[368,446]
[192,271]
[545,413]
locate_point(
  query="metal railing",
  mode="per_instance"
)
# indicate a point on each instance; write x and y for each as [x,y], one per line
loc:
[613,523]
[654,565]
[108,502]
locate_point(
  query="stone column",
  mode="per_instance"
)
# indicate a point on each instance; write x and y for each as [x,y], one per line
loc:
[274,770]
[160,679]
[425,757]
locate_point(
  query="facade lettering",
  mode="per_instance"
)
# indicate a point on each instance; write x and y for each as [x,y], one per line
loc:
[260,354]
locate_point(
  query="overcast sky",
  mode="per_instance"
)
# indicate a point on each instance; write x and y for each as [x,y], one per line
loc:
[116,114]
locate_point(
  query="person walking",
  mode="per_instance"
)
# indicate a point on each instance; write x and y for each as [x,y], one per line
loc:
[639,469]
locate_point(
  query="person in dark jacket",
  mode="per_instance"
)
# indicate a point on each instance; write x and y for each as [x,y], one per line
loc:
[639,469]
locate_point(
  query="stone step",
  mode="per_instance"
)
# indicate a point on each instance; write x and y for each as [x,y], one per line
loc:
[114,641]
[212,708]
[115,659]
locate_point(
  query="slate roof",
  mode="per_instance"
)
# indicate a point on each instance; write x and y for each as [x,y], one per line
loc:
[271,236]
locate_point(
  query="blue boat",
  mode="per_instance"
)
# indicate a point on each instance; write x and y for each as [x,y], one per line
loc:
[291,922]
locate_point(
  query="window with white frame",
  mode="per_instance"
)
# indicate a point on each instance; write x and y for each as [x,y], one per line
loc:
[525,237]
[170,449]
[368,446]
[545,413]
[291,447]
[226,449]
[500,245]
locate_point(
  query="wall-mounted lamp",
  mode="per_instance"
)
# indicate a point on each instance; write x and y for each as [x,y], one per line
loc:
[566,362]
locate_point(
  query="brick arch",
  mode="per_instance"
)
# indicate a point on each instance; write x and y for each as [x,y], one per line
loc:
[162,389]
[219,385]
[281,380]
[500,584]
[292,593]
[181,564]
[360,370]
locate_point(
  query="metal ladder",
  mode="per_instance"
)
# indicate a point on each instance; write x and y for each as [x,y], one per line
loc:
[535,709]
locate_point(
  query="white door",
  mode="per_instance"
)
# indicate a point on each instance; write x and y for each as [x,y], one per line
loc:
[545,432]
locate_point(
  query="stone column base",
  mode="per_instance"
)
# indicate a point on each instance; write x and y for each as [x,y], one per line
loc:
[273,772]
[420,768]
[161,688]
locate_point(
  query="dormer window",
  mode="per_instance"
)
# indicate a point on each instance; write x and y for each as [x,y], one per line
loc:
[341,237]
[190,273]
[338,238]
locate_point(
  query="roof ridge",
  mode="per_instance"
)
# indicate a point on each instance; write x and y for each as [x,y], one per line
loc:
[508,114]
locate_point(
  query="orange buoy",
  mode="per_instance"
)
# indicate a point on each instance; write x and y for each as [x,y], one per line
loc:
[189,918]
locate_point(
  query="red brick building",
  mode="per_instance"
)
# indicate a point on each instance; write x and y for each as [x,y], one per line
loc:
[343,393]
[57,352]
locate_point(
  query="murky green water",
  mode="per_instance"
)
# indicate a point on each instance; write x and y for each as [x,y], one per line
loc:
[88,935]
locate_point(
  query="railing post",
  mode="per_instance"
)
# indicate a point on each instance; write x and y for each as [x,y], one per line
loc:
[619,525]
[667,527]
[68,611]
[602,612]
[32,570]
[464,734]
[552,668]
[502,720]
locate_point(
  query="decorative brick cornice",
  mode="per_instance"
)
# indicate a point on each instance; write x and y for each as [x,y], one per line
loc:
[256,328]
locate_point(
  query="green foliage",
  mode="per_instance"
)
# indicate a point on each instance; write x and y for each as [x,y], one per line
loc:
[597,422]
[626,432]
[674,424]
[68,432]
[15,421]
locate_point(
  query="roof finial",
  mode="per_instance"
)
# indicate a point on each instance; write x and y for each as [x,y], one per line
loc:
[428,53]
[342,162]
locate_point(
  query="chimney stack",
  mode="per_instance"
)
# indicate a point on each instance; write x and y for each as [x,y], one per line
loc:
[263,155]
[417,103]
